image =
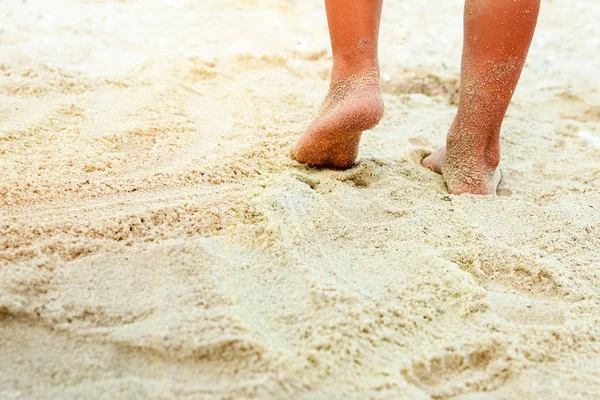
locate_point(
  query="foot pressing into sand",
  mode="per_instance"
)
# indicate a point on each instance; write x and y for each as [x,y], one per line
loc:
[354,102]
[467,166]
[497,37]
[352,106]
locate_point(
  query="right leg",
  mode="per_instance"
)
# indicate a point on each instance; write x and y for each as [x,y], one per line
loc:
[497,37]
[354,102]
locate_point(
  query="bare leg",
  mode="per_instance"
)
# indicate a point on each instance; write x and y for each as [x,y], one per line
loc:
[353,103]
[497,37]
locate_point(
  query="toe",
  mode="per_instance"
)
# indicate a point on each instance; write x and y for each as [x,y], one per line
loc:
[295,154]
[434,161]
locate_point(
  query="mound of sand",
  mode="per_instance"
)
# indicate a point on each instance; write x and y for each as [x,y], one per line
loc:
[156,242]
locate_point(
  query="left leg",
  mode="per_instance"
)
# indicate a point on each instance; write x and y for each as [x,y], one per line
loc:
[354,102]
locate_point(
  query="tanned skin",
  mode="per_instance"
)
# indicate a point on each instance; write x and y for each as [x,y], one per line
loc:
[497,37]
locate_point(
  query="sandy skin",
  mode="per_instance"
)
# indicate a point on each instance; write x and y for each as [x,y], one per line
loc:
[354,102]
[353,105]
[497,37]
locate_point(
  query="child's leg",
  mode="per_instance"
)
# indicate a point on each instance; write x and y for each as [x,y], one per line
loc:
[496,41]
[353,103]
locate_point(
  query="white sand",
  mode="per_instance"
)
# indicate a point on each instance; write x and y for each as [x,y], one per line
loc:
[157,243]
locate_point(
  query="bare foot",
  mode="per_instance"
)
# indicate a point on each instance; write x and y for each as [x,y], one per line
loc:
[353,105]
[466,166]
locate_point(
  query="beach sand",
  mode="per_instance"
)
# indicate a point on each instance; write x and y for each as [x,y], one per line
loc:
[156,242]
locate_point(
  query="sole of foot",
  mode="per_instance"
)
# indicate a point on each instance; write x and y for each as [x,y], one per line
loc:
[352,106]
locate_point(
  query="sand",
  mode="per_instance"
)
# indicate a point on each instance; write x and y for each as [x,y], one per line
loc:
[157,243]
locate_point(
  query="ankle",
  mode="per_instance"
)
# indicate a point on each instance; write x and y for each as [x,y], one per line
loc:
[475,146]
[345,69]
[365,81]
